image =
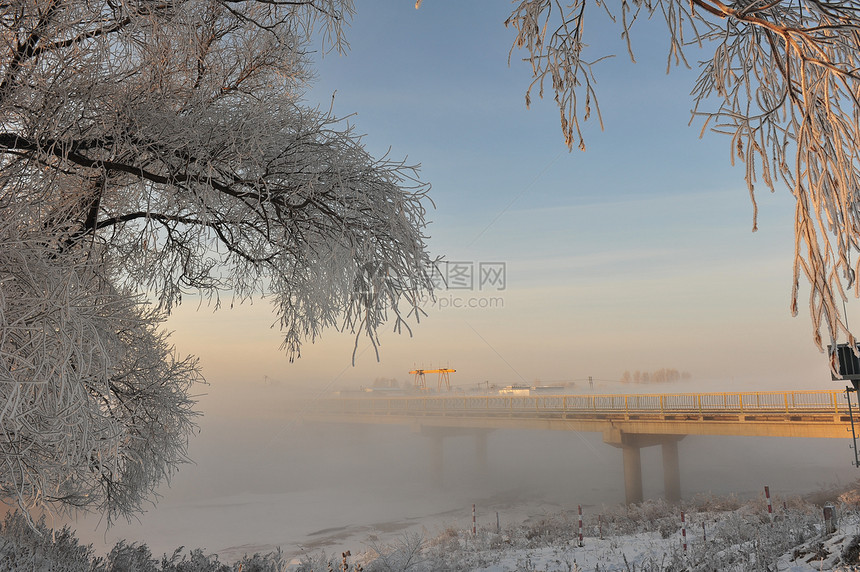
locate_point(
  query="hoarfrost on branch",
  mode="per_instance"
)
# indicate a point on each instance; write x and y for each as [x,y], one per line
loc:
[159,148]
[783,82]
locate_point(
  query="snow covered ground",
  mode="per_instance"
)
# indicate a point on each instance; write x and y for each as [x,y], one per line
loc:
[719,534]
[513,532]
[715,534]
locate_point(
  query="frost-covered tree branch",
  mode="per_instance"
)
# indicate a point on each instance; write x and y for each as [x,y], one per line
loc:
[782,80]
[94,403]
[158,148]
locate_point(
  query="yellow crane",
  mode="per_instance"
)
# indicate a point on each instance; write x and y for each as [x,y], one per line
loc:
[421,383]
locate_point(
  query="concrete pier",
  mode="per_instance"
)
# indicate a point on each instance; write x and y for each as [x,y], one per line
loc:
[481,456]
[631,445]
[437,458]
[632,473]
[671,470]
[437,436]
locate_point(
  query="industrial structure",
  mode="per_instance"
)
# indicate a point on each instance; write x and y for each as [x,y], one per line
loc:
[421,382]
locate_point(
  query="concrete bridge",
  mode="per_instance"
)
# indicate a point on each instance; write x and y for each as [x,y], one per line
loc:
[628,422]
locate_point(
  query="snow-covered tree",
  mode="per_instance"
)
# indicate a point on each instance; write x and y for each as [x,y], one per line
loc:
[150,148]
[779,77]
[94,404]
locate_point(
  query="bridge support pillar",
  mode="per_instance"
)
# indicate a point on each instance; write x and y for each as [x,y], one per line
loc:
[437,459]
[632,473]
[671,470]
[481,452]
[437,448]
[630,445]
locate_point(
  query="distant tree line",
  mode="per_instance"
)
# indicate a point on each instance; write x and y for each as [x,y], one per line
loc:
[664,374]
[386,382]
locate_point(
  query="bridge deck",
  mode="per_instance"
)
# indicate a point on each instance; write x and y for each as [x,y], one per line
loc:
[793,413]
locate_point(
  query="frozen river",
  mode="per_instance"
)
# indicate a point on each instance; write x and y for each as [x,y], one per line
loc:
[312,487]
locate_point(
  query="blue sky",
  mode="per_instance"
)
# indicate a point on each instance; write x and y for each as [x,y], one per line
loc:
[636,254]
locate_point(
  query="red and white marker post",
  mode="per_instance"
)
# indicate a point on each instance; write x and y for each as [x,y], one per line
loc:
[683,531]
[769,504]
[474,522]
[579,509]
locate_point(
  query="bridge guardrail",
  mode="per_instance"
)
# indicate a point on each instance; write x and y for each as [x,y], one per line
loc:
[830,401]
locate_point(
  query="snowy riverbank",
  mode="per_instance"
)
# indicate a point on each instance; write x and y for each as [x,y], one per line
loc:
[715,534]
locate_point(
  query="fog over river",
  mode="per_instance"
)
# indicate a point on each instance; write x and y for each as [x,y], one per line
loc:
[263,479]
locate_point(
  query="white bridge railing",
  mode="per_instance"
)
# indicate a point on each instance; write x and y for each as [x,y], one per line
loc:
[830,401]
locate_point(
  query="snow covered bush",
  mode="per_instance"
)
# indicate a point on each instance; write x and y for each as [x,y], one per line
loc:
[32,546]
[131,558]
[851,553]
[404,555]
[195,561]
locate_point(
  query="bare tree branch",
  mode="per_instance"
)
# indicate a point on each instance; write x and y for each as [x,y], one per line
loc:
[783,82]
[153,148]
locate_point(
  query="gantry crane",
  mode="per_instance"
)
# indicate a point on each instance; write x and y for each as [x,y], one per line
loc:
[421,383]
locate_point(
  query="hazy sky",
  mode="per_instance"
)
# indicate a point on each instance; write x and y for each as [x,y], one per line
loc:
[636,254]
